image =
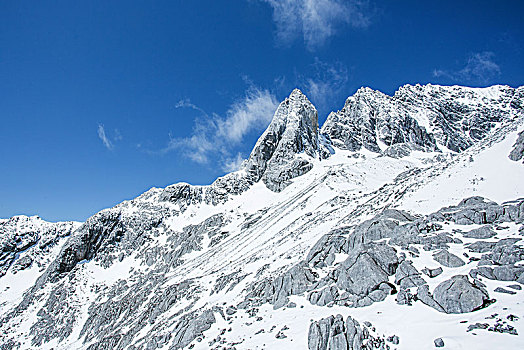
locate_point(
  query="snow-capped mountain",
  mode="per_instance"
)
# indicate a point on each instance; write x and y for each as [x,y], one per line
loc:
[397,224]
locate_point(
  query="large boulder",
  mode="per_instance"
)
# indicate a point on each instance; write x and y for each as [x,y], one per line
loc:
[458,295]
[483,232]
[366,268]
[408,276]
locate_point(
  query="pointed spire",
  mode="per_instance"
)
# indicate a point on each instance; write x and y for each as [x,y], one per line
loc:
[293,130]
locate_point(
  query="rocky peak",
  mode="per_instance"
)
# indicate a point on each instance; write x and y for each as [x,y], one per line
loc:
[422,117]
[284,151]
[286,148]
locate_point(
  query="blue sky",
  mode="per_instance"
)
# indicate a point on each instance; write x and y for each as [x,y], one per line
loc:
[101,100]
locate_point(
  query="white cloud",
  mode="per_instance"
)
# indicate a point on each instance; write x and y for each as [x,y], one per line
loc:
[233,164]
[196,147]
[186,103]
[214,137]
[326,81]
[316,20]
[479,68]
[255,111]
[105,140]
[118,135]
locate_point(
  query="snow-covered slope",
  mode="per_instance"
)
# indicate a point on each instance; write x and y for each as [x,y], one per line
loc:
[27,246]
[367,218]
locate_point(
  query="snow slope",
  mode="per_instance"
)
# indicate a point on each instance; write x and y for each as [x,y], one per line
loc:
[209,266]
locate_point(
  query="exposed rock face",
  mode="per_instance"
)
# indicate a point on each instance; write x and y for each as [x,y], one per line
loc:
[370,117]
[499,260]
[218,192]
[407,276]
[24,240]
[478,210]
[363,277]
[432,272]
[296,280]
[285,149]
[517,153]
[420,117]
[365,269]
[481,233]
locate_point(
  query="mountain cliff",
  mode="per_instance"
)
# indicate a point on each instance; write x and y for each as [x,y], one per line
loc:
[397,224]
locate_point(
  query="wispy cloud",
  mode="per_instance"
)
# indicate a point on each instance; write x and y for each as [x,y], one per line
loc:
[214,137]
[105,140]
[186,103]
[233,164]
[255,111]
[479,68]
[325,82]
[316,20]
[118,135]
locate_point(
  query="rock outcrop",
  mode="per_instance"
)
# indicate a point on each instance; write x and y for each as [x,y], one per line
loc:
[26,240]
[448,259]
[334,333]
[517,153]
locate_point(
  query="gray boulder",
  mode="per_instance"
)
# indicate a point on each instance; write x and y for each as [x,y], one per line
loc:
[431,273]
[458,295]
[501,273]
[365,269]
[448,259]
[480,246]
[505,291]
[425,296]
[408,276]
[483,232]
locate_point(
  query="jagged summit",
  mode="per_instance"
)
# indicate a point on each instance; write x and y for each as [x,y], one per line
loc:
[421,117]
[297,94]
[282,152]
[417,117]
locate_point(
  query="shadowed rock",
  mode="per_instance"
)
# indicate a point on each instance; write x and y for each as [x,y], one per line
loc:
[517,153]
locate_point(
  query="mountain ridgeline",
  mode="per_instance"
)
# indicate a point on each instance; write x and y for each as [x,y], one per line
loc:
[385,204]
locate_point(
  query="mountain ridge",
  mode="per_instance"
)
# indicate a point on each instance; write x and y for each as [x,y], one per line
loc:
[420,139]
[155,271]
